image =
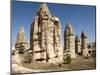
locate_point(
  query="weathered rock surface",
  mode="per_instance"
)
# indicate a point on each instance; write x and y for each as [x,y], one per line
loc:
[46,50]
[45,38]
[77,45]
[69,41]
[21,42]
[84,44]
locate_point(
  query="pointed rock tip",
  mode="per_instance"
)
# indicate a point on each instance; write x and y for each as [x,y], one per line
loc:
[21,29]
[46,9]
[43,4]
[83,34]
[77,38]
[69,26]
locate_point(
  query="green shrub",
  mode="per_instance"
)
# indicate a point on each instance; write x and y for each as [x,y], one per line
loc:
[67,59]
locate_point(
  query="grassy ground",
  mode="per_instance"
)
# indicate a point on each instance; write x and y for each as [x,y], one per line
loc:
[77,64]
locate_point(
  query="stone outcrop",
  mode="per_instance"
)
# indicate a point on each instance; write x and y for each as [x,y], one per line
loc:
[69,41]
[45,40]
[84,45]
[21,42]
[77,45]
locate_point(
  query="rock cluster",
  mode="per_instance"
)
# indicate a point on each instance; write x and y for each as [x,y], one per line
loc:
[45,39]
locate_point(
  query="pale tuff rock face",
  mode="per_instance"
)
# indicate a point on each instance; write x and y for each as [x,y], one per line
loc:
[21,36]
[57,39]
[44,11]
[21,42]
[77,45]
[17,59]
[84,45]
[45,37]
[13,50]
[69,41]
[17,67]
[69,29]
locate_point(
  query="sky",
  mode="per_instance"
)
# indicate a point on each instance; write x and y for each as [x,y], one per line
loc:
[81,17]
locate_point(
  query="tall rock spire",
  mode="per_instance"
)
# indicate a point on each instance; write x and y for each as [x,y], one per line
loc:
[21,41]
[84,45]
[77,45]
[45,32]
[69,28]
[69,41]
[21,36]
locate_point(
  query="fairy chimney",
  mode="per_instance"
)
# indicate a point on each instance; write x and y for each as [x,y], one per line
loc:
[84,45]
[77,45]
[45,40]
[21,42]
[69,41]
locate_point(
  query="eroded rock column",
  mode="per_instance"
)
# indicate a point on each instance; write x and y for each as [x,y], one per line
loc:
[69,41]
[77,45]
[84,45]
